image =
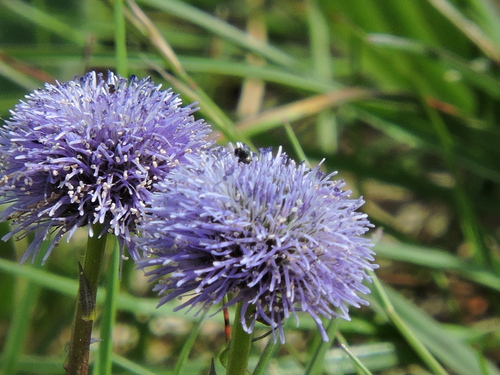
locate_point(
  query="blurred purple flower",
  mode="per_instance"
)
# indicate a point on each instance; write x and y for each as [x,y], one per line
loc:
[276,236]
[88,151]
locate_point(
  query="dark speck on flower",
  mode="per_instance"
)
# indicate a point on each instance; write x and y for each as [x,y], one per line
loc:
[88,151]
[276,236]
[244,155]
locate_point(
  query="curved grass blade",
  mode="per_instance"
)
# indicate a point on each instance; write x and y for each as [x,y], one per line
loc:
[222,29]
[419,328]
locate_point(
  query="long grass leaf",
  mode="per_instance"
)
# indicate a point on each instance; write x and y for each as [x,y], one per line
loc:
[265,357]
[409,333]
[188,345]
[131,367]
[103,364]
[470,224]
[69,287]
[326,125]
[482,79]
[222,29]
[27,293]
[438,259]
[469,28]
[362,369]
[318,351]
[47,21]
[120,39]
[444,344]
[9,72]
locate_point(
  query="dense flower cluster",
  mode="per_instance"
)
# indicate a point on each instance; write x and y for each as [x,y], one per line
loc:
[273,235]
[88,151]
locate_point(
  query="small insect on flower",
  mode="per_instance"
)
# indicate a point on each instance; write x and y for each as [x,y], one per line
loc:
[274,236]
[243,155]
[89,151]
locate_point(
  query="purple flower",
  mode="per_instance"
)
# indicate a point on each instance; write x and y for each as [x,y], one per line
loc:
[276,236]
[88,151]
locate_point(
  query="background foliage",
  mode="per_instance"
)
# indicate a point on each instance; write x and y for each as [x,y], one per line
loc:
[400,96]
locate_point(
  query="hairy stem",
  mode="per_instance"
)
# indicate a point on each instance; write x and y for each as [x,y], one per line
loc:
[78,359]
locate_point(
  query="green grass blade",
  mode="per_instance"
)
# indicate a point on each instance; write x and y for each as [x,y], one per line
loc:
[120,39]
[408,333]
[320,41]
[188,345]
[210,109]
[319,31]
[442,343]
[39,365]
[362,369]
[222,29]
[27,293]
[482,79]
[131,367]
[295,143]
[69,287]
[317,360]
[46,21]
[469,28]
[471,226]
[20,79]
[483,364]
[487,16]
[438,259]
[376,357]
[418,135]
[60,284]
[104,361]
[446,346]
[301,80]
[265,357]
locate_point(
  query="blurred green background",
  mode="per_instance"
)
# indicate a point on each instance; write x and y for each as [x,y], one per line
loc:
[400,96]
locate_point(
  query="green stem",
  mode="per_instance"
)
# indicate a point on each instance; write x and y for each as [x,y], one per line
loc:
[239,350]
[78,359]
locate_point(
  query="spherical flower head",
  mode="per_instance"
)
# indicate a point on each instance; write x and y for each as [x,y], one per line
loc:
[88,151]
[273,235]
